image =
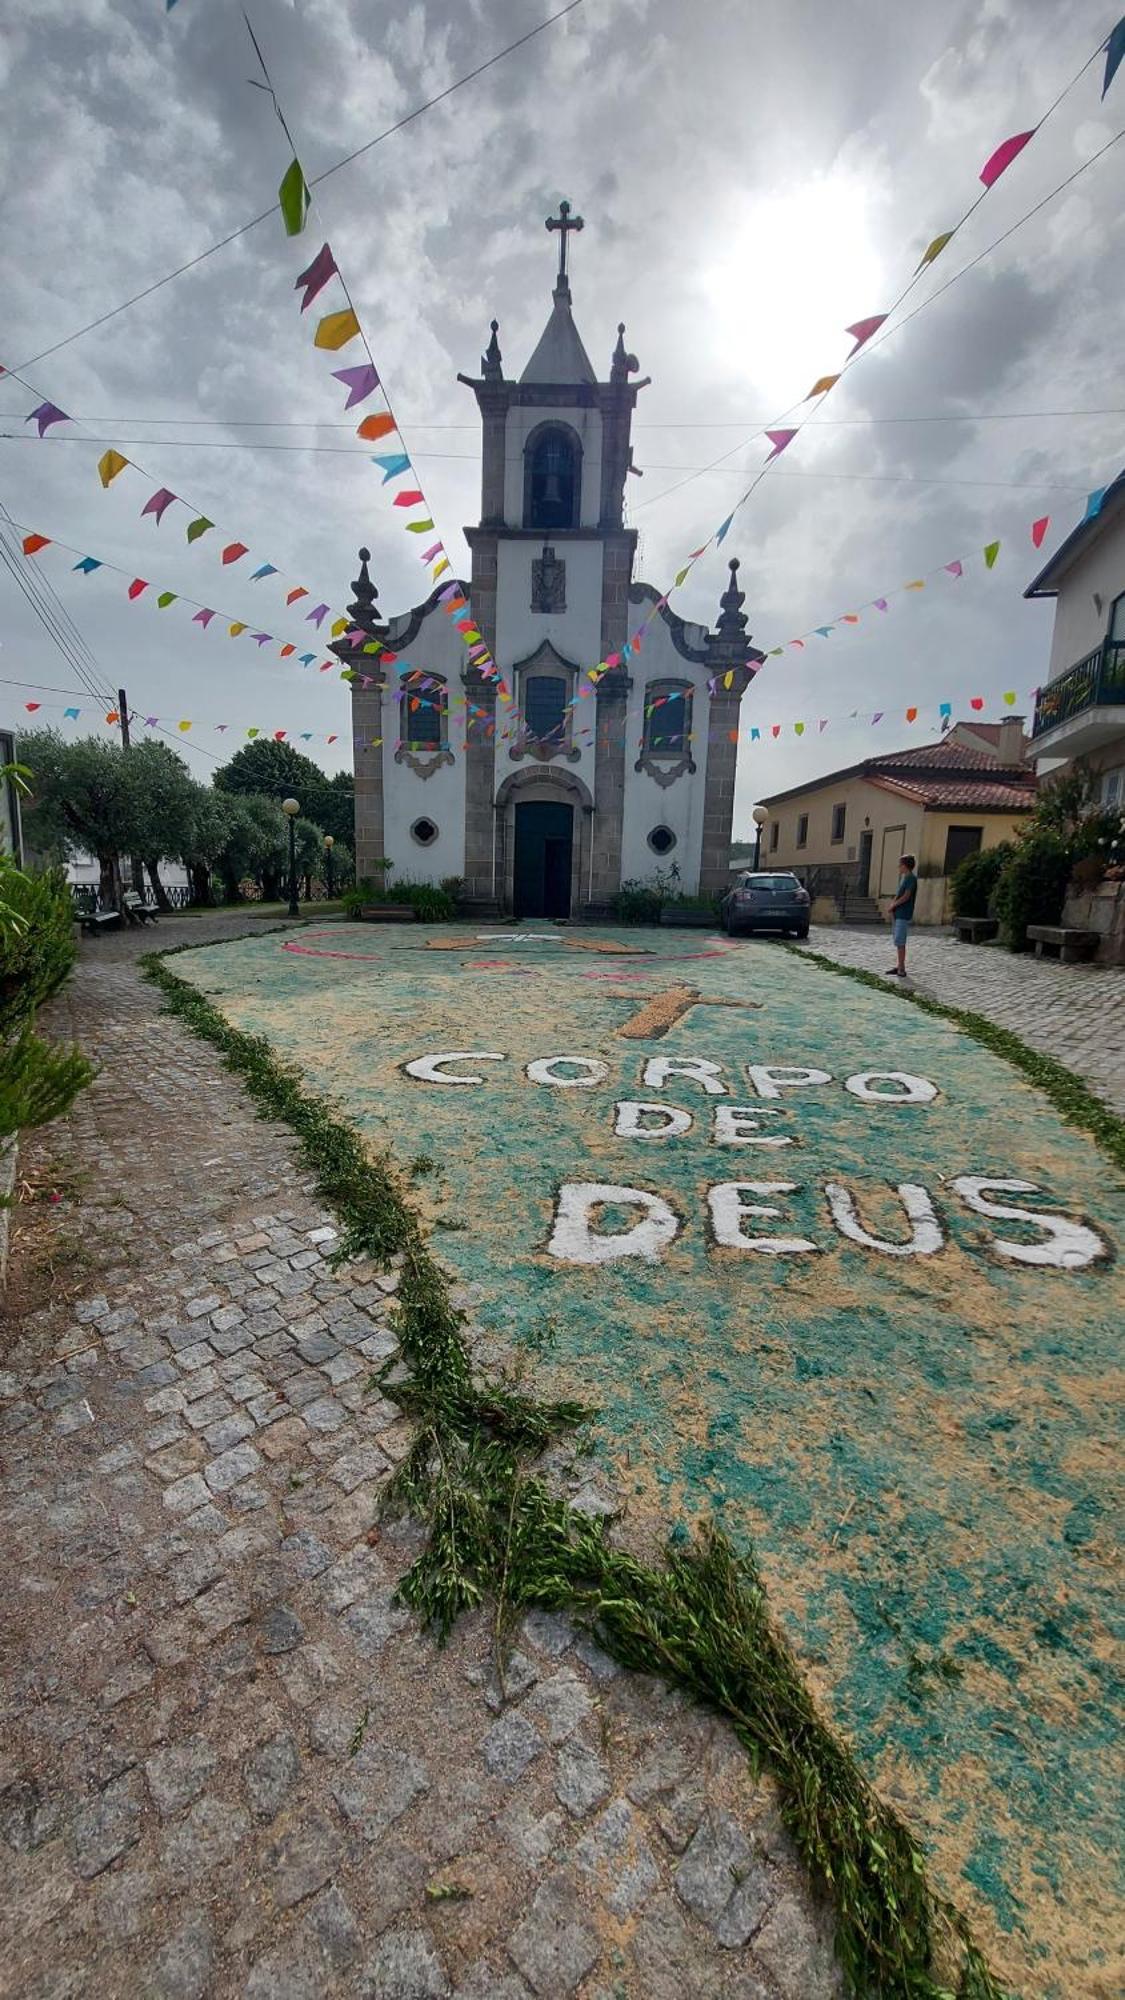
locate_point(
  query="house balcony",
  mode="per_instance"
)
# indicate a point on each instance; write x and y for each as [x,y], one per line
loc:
[1085,707]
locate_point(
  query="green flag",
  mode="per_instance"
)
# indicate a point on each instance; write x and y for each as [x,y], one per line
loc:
[293,194]
[197,528]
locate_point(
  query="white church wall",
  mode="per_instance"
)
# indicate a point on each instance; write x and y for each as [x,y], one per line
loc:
[678,806]
[587,424]
[575,632]
[440,797]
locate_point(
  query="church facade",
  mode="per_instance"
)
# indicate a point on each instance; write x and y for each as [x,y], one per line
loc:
[543,805]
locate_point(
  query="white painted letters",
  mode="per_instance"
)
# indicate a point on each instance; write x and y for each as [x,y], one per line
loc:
[630,1115]
[925,1239]
[697,1069]
[728,1210]
[741,1125]
[1070,1246]
[544,1070]
[770,1079]
[911,1090]
[427,1067]
[574,1240]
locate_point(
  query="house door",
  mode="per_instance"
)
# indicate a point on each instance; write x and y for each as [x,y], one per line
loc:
[542,861]
[863,877]
[960,841]
[894,838]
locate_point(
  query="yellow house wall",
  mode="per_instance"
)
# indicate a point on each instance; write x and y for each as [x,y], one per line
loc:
[896,827]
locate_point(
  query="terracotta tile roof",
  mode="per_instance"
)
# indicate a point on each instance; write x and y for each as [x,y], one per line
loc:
[944,756]
[999,792]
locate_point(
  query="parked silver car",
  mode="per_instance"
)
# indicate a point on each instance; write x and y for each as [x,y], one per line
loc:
[773,901]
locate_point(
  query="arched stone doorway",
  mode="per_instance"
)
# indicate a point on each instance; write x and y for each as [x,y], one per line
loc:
[544,822]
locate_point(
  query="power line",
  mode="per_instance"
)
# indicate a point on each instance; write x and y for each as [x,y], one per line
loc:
[72,649]
[472,458]
[168,278]
[669,424]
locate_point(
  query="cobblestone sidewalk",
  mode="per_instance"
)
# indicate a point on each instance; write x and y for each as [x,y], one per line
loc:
[229,1763]
[1075,1013]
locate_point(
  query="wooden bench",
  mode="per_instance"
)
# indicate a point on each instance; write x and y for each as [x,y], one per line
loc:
[137,910]
[1072,946]
[976,930]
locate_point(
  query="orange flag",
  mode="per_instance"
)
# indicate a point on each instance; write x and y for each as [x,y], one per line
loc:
[376,427]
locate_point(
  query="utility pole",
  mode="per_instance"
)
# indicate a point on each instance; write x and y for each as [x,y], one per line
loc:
[135,863]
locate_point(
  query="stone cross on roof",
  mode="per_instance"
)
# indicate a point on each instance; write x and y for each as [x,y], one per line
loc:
[564,225]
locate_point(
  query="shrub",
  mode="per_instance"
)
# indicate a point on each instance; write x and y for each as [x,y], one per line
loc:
[1032,886]
[637,903]
[433,904]
[973,882]
[38,1081]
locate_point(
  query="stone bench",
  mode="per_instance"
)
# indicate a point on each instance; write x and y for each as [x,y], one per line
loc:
[976,930]
[92,921]
[388,913]
[1072,946]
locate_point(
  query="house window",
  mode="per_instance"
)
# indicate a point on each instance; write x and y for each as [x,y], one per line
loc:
[802,829]
[1113,788]
[1116,629]
[775,829]
[667,718]
[839,814]
[423,711]
[552,478]
[544,707]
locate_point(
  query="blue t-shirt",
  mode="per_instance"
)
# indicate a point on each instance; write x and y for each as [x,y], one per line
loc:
[908,887]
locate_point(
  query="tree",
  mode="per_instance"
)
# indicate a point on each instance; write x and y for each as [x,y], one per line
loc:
[163,793]
[81,802]
[277,771]
[208,831]
[255,846]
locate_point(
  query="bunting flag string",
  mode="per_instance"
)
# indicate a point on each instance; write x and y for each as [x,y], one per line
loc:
[33,544]
[335,331]
[990,552]
[112,463]
[863,331]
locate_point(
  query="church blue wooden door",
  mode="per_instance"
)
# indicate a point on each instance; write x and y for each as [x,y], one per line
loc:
[544,843]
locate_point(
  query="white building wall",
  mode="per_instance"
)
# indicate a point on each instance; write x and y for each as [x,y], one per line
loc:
[588,426]
[575,632]
[680,804]
[1079,623]
[407,797]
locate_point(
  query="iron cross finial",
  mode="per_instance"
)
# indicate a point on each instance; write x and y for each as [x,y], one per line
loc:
[564,223]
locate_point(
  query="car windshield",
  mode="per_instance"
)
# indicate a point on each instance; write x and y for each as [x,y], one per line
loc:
[770,882]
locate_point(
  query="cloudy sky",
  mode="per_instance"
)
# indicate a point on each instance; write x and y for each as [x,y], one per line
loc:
[753,177]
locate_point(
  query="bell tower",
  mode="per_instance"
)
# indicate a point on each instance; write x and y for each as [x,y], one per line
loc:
[552,566]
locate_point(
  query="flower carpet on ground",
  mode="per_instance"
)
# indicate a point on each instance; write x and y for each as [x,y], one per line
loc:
[835,1277]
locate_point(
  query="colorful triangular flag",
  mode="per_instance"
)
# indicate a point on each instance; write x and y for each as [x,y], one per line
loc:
[316,276]
[360,381]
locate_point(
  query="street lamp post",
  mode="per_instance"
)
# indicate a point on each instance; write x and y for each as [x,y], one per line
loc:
[759,817]
[291,807]
[329,844]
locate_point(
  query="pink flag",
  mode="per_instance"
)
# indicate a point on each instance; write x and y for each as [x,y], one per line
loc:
[1039,529]
[203,618]
[432,552]
[138,584]
[863,329]
[315,278]
[1002,158]
[880,604]
[359,382]
[779,440]
[955,568]
[822,726]
[159,504]
[412,497]
[877,717]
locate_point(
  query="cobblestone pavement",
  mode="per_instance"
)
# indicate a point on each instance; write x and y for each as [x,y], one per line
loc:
[229,1763]
[1075,1013]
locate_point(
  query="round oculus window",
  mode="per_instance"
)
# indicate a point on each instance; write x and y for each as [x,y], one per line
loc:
[662,840]
[424,832]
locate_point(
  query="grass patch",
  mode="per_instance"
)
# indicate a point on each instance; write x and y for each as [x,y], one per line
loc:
[497,1534]
[1072,1099]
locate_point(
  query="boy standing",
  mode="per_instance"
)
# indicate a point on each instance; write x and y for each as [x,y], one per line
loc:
[902,913]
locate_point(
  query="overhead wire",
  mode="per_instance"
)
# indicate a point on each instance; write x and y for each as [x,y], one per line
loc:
[244,228]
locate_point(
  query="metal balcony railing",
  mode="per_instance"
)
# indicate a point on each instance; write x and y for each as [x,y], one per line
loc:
[1095,682]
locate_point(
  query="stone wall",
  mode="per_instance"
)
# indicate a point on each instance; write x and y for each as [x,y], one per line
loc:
[1103,910]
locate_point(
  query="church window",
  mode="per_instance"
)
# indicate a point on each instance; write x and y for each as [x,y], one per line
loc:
[544,706]
[662,840]
[667,718]
[424,832]
[423,711]
[552,478]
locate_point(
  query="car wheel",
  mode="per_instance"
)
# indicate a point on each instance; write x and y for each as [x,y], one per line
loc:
[803,933]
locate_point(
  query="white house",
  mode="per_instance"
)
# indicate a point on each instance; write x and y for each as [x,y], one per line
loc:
[545,805]
[1081,711]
